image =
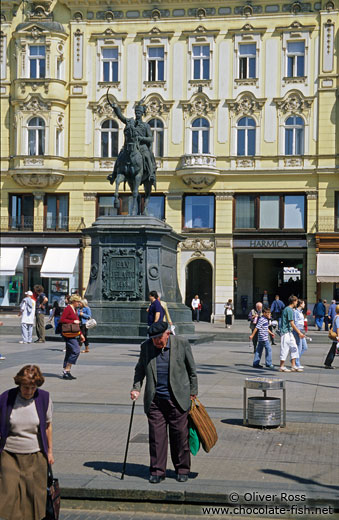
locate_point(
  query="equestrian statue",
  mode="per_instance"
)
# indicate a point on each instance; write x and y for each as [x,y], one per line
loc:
[135,163]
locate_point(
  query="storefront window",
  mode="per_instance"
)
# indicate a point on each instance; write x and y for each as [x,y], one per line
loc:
[269,212]
[11,276]
[245,212]
[199,211]
[294,212]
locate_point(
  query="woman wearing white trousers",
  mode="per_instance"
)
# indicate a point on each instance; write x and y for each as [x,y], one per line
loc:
[27,313]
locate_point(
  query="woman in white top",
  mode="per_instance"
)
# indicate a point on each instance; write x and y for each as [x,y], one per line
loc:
[25,447]
[196,306]
[299,321]
[27,313]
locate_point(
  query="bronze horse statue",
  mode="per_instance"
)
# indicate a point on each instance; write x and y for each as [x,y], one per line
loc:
[135,163]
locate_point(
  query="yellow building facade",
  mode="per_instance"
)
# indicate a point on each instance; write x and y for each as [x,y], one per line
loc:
[242,101]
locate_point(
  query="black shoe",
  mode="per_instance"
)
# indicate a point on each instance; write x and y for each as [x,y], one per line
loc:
[68,375]
[258,366]
[156,479]
[329,366]
[182,478]
[273,343]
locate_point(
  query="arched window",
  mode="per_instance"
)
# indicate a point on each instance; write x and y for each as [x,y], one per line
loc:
[200,136]
[36,136]
[294,136]
[246,136]
[157,127]
[109,138]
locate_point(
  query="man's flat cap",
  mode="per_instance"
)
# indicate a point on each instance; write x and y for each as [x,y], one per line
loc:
[157,329]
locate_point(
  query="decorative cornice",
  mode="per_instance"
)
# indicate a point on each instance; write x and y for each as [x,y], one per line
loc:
[295,26]
[248,29]
[109,33]
[155,32]
[201,31]
[199,105]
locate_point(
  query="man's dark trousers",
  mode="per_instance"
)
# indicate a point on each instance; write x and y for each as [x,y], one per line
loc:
[161,413]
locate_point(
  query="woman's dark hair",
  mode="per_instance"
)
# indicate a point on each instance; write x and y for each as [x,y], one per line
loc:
[29,375]
[56,304]
[300,301]
[38,288]
[154,294]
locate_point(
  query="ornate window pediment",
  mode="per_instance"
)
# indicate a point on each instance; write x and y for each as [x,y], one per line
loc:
[154,34]
[294,102]
[202,31]
[246,104]
[35,104]
[156,106]
[109,34]
[199,105]
[103,108]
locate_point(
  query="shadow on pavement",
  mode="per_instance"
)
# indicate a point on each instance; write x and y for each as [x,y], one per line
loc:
[301,480]
[235,422]
[133,470]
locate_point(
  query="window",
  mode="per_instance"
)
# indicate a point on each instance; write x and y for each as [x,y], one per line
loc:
[155,56]
[199,212]
[295,59]
[247,57]
[269,212]
[156,206]
[294,136]
[105,206]
[263,212]
[37,61]
[36,136]
[56,212]
[109,138]
[201,62]
[200,136]
[110,61]
[245,212]
[294,212]
[246,136]
[21,211]
[157,127]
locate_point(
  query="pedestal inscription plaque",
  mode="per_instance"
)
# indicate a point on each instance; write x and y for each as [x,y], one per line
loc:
[122,274]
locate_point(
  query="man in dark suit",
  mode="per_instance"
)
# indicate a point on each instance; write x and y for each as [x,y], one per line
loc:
[171,382]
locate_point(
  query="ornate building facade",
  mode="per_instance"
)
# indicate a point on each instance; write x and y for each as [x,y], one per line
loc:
[242,98]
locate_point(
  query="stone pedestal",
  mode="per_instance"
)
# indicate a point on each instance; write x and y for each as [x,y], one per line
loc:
[130,257]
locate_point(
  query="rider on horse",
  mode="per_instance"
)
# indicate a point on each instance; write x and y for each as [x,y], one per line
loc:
[144,136]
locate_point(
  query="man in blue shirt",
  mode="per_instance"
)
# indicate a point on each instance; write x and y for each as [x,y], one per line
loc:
[331,311]
[263,342]
[155,310]
[276,309]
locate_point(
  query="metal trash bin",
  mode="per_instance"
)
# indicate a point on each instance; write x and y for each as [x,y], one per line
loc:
[264,411]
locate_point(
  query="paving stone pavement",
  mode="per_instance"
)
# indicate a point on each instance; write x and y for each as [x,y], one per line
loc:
[91,417]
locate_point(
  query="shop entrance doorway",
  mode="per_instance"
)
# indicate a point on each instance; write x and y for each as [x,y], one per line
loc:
[278,276]
[199,281]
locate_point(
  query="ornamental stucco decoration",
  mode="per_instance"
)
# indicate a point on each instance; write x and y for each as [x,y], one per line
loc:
[35,105]
[293,103]
[197,244]
[199,105]
[198,181]
[103,108]
[37,180]
[246,105]
[156,106]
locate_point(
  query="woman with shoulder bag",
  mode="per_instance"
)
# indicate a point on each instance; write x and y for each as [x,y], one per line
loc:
[228,313]
[25,447]
[70,329]
[334,332]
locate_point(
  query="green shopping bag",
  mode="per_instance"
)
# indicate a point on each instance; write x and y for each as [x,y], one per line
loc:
[193,439]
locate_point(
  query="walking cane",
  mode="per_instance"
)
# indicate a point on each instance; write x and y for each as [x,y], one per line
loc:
[128,436]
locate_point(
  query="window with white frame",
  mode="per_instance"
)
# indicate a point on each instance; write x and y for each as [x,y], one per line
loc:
[200,136]
[246,130]
[157,127]
[201,61]
[109,138]
[110,64]
[199,212]
[37,61]
[156,63]
[36,136]
[295,55]
[294,136]
[247,60]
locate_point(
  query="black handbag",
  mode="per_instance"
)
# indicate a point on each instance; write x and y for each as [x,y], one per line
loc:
[53,496]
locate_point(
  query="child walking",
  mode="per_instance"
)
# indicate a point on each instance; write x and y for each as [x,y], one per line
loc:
[263,340]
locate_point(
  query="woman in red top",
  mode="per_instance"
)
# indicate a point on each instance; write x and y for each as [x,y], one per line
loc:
[70,315]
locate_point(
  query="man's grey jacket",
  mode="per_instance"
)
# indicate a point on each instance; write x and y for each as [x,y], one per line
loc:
[182,372]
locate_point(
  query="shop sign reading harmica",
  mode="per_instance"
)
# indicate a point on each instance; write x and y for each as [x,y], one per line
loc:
[268,243]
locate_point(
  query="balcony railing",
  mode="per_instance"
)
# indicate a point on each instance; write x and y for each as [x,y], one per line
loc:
[328,224]
[60,224]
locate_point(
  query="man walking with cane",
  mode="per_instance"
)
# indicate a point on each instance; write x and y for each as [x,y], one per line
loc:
[171,382]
